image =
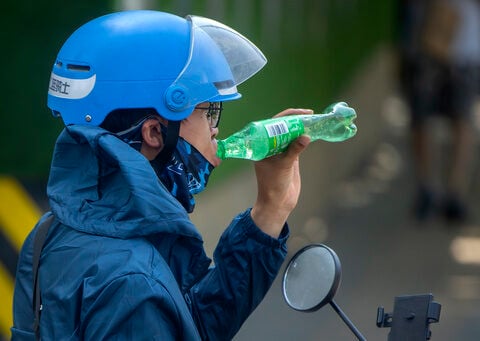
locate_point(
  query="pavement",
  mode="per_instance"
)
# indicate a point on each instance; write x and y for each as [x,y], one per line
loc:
[356,198]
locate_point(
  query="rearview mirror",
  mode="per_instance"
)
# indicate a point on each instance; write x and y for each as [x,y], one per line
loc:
[311,280]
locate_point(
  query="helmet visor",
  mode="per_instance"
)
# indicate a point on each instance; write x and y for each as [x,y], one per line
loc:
[220,59]
[242,56]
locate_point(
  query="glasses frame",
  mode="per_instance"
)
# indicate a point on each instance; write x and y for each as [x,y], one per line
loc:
[214,112]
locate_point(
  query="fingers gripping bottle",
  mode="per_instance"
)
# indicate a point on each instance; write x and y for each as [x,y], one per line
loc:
[261,139]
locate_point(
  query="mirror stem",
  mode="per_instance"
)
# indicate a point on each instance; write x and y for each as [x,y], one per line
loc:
[347,321]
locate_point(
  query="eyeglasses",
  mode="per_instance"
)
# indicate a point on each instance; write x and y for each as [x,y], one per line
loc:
[214,111]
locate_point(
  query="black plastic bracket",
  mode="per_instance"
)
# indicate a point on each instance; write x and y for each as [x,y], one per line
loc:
[411,317]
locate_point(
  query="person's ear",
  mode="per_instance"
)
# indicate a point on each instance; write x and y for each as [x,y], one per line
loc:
[152,133]
[152,142]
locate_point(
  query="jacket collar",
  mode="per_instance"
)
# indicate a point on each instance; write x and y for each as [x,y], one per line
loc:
[100,185]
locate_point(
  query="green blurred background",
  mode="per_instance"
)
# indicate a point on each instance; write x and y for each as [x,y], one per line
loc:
[313,46]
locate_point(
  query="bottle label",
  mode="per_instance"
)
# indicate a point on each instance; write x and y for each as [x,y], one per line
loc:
[281,132]
[275,129]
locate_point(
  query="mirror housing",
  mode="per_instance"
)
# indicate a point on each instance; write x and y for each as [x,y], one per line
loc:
[311,278]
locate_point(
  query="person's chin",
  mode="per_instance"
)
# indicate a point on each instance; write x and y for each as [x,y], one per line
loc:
[216,162]
[213,159]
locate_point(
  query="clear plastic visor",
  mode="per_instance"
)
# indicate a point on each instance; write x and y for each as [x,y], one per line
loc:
[219,57]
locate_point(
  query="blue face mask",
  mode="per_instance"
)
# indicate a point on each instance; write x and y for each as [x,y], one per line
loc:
[186,174]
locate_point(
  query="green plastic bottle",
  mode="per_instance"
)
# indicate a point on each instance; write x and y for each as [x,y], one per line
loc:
[261,139]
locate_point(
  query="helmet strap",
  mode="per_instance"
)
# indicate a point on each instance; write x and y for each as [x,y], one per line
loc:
[170,143]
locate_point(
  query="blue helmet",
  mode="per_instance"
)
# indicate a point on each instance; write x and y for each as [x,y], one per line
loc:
[148,59]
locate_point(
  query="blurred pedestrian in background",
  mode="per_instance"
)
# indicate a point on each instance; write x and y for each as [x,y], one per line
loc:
[439,63]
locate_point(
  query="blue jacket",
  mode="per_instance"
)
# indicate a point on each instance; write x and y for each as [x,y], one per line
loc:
[123,261]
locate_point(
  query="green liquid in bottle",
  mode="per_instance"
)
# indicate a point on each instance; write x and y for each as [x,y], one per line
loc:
[261,139]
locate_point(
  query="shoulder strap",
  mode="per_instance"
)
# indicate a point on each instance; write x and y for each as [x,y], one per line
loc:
[38,242]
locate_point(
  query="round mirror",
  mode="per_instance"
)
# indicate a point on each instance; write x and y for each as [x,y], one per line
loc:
[311,278]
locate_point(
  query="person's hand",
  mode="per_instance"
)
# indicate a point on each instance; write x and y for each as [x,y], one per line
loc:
[278,182]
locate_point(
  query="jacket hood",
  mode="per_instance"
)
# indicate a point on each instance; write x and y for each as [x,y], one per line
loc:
[100,185]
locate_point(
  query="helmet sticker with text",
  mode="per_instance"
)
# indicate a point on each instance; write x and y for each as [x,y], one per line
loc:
[70,88]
